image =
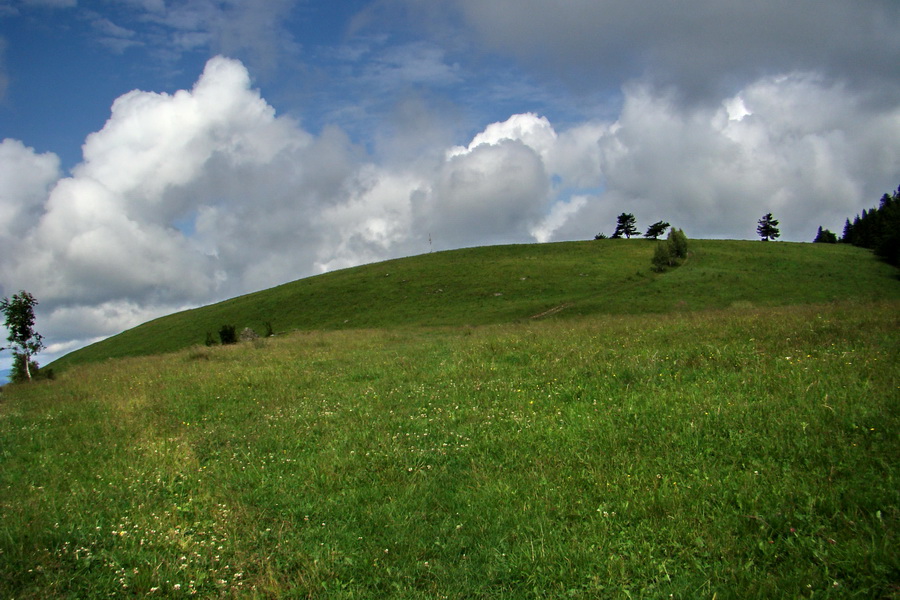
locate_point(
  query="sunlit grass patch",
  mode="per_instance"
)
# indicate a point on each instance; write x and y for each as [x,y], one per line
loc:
[741,453]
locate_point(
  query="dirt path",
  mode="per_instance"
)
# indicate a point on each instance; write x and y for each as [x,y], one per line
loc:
[552,311]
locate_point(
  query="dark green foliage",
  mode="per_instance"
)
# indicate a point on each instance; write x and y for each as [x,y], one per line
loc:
[662,257]
[768,228]
[878,229]
[847,236]
[210,339]
[669,253]
[19,373]
[825,236]
[625,226]
[678,243]
[228,335]
[656,230]
[601,236]
[268,329]
[25,341]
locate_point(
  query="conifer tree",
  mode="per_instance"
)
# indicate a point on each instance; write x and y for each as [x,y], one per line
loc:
[768,228]
[656,230]
[824,236]
[625,226]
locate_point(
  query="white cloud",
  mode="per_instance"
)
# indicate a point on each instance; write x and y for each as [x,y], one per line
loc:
[176,197]
[25,179]
[810,151]
[559,214]
[490,194]
[187,198]
[530,129]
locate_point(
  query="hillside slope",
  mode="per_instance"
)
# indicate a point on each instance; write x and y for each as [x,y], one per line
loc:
[503,284]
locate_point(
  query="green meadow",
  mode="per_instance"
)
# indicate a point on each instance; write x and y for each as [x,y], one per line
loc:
[514,284]
[551,424]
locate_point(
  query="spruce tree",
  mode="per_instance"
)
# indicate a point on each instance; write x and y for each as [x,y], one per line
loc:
[824,236]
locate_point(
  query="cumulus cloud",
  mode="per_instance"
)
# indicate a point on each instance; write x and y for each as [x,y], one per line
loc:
[186,198]
[25,179]
[180,199]
[810,151]
[489,194]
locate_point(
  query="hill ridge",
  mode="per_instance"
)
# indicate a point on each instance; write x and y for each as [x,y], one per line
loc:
[515,283]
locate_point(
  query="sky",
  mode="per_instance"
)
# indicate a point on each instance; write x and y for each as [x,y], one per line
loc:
[157,155]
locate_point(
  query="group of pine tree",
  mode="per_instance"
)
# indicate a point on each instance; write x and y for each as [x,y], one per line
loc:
[877,229]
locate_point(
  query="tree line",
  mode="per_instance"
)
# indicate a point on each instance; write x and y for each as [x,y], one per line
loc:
[877,229]
[626,226]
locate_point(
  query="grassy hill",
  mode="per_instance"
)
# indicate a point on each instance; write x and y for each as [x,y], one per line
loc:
[746,452]
[507,284]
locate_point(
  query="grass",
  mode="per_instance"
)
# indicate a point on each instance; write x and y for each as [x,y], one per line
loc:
[744,452]
[513,284]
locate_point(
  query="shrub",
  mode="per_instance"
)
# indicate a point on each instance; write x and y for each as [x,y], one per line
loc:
[269,331]
[210,340]
[228,335]
[677,243]
[662,257]
[668,254]
[18,374]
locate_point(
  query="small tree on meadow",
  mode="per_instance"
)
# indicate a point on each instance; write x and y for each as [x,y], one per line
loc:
[656,230]
[768,228]
[668,253]
[677,243]
[625,226]
[662,257]
[25,341]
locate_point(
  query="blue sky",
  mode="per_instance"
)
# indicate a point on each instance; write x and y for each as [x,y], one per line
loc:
[161,154]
